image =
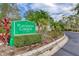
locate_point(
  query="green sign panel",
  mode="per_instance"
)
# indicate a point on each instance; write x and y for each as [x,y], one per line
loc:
[21,28]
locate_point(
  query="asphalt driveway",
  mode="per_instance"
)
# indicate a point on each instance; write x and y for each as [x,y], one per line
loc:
[72,47]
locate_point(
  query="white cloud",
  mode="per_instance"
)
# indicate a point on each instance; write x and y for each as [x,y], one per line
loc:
[55,10]
[50,4]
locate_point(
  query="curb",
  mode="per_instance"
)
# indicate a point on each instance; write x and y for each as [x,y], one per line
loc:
[56,48]
[48,49]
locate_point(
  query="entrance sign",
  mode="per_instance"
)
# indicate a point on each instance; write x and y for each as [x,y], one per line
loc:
[21,28]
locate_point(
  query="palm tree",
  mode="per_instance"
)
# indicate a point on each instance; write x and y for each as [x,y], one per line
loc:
[77,8]
[40,17]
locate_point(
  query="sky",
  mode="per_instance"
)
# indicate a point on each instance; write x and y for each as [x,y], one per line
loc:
[55,10]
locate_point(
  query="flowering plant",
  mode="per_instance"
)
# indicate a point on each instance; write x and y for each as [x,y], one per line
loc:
[5,23]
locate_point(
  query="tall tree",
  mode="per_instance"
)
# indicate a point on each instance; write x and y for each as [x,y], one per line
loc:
[76,8]
[41,18]
[9,10]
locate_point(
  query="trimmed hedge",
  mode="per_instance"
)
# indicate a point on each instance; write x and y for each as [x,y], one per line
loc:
[21,41]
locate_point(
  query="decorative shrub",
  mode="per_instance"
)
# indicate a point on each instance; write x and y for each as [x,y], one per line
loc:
[2,31]
[27,40]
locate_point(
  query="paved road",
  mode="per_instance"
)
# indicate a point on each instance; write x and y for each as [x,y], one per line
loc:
[72,47]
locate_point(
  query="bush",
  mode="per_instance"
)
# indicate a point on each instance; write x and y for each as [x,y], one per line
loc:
[2,30]
[55,34]
[27,40]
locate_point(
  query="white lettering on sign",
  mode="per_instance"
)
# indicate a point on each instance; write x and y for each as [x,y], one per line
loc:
[25,27]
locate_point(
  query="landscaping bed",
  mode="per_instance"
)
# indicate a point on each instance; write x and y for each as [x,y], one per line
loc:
[35,46]
[26,43]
